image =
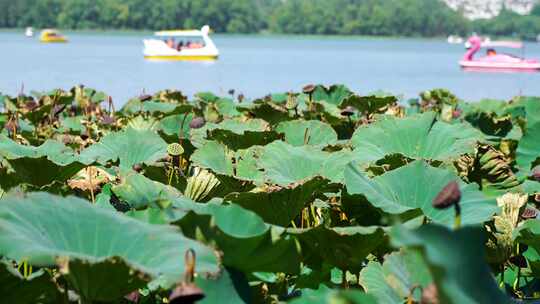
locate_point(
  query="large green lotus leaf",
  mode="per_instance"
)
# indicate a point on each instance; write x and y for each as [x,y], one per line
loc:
[531,187]
[246,164]
[75,229]
[342,247]
[72,125]
[222,160]
[241,235]
[176,124]
[129,146]
[334,166]
[139,191]
[335,94]
[230,288]
[284,164]
[14,288]
[528,150]
[418,137]
[456,260]
[325,295]
[393,281]
[279,206]
[214,156]
[226,107]
[414,186]
[38,166]
[311,132]
[531,107]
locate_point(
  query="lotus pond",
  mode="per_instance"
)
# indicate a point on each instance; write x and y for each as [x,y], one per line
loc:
[316,196]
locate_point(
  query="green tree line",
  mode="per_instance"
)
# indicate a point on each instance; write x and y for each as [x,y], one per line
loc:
[342,17]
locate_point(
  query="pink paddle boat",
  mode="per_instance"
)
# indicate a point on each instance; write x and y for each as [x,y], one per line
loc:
[495,61]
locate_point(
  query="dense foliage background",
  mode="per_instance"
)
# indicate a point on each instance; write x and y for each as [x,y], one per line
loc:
[359,17]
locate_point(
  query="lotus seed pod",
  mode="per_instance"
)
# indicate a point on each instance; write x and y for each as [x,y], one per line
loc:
[175,149]
[348,111]
[309,89]
[536,173]
[197,123]
[448,196]
[186,293]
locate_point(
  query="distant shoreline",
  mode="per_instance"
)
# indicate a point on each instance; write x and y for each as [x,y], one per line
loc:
[262,34]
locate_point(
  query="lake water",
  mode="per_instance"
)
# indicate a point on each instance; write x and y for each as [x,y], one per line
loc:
[254,66]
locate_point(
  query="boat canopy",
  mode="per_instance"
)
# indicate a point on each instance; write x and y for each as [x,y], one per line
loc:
[507,44]
[184,33]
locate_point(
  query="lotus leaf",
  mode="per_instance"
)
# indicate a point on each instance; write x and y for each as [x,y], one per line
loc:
[528,151]
[312,132]
[55,161]
[459,277]
[335,94]
[325,295]
[284,164]
[369,104]
[140,191]
[414,187]
[281,205]
[129,147]
[70,224]
[37,288]
[418,137]
[343,247]
[393,281]
[241,234]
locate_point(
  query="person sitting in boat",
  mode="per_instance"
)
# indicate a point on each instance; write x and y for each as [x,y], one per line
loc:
[170,43]
[491,52]
[180,46]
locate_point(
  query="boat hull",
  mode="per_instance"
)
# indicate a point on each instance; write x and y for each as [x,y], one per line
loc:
[504,66]
[53,40]
[181,57]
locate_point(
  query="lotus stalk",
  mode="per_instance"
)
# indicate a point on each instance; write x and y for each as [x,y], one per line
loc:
[309,89]
[450,196]
[175,150]
[187,291]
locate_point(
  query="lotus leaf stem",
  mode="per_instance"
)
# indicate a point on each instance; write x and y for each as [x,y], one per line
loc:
[457,218]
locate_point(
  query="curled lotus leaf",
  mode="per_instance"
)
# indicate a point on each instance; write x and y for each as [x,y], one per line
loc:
[55,162]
